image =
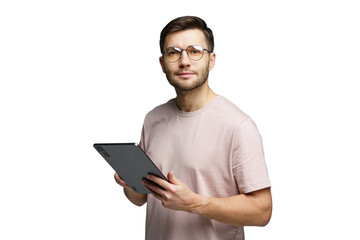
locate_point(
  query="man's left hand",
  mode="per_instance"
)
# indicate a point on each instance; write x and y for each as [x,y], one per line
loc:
[173,194]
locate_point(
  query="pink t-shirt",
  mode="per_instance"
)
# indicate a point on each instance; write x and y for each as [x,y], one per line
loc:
[216,151]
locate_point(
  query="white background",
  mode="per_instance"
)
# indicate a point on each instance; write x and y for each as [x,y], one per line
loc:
[78,72]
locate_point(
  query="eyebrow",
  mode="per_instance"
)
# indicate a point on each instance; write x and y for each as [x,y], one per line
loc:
[193,45]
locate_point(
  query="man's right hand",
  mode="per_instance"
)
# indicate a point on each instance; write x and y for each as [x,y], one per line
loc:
[136,198]
[121,182]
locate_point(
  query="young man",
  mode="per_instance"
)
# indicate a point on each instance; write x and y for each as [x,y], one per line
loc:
[211,150]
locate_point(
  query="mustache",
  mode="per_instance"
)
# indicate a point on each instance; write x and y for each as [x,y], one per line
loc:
[185,71]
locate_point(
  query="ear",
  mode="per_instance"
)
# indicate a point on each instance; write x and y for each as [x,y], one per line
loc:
[212,60]
[161,60]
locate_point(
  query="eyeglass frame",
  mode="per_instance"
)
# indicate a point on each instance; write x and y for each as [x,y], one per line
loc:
[181,51]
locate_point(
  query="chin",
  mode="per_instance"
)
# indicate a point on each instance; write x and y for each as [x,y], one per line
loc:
[187,87]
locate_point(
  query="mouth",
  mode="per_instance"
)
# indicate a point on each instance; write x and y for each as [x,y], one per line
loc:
[185,74]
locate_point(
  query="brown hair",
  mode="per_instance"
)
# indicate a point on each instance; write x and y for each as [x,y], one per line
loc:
[185,23]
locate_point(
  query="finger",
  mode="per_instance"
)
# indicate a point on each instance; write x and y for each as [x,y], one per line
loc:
[173,179]
[119,180]
[156,195]
[154,187]
[116,176]
[159,181]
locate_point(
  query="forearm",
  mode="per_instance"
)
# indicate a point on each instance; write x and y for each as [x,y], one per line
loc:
[252,209]
[138,199]
[240,210]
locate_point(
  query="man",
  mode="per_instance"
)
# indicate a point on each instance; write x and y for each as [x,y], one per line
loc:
[210,149]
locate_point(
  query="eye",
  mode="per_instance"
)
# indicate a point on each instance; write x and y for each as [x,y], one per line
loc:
[195,50]
[172,52]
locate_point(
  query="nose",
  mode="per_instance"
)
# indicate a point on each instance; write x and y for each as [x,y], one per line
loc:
[184,59]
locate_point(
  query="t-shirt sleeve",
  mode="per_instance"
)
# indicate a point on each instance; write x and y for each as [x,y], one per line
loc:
[145,133]
[249,166]
[142,139]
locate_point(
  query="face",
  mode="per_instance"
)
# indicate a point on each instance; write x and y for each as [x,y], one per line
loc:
[186,74]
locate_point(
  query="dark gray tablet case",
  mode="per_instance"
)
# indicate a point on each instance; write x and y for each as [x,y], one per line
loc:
[130,162]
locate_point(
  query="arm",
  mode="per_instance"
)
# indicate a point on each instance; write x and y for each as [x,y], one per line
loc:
[252,209]
[138,199]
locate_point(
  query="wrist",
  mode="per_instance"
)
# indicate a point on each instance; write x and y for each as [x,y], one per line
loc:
[200,204]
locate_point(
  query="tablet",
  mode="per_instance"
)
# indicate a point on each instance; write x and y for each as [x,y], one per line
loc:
[130,162]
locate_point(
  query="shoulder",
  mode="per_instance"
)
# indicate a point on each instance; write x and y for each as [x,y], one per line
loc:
[161,111]
[226,111]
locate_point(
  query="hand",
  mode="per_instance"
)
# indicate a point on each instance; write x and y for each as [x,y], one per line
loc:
[136,198]
[120,181]
[174,194]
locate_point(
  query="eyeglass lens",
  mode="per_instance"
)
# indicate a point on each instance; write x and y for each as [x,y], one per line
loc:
[173,54]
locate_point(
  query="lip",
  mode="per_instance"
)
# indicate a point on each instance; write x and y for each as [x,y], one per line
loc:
[185,74]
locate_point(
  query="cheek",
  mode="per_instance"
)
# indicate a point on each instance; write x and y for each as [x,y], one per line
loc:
[162,64]
[169,68]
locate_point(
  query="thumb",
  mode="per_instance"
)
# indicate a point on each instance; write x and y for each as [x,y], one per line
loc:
[172,178]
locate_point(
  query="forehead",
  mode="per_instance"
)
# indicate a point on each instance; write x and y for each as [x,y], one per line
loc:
[183,39]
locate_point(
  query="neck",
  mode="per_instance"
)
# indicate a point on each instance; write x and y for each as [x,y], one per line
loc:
[189,101]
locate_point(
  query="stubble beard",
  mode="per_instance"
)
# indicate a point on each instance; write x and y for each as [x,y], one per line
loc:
[182,85]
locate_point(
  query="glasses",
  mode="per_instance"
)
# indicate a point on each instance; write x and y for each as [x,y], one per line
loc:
[173,54]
